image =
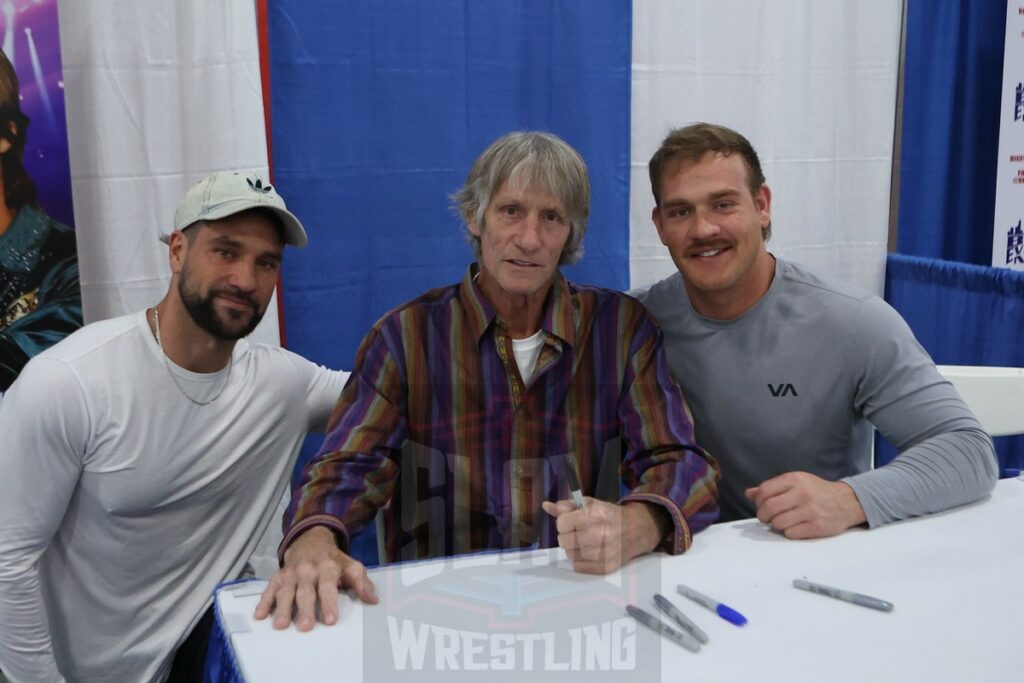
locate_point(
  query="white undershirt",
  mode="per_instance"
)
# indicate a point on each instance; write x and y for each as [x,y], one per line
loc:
[527,351]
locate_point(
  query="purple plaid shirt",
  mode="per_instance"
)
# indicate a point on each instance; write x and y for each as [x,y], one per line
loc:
[437,425]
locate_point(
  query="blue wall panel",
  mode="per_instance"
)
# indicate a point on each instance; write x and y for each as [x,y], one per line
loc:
[377,112]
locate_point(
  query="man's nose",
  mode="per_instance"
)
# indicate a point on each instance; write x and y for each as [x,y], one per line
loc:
[243,276]
[705,225]
[528,237]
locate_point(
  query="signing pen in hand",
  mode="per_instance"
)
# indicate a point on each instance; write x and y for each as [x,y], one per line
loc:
[573,475]
[724,611]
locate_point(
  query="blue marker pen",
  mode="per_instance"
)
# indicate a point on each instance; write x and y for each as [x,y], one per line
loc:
[724,611]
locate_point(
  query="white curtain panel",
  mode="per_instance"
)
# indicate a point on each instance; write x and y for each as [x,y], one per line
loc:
[811,83]
[159,94]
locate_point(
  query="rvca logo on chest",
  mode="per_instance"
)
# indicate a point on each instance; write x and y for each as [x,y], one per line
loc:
[782,390]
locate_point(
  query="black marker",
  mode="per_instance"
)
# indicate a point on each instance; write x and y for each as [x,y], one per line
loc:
[840,594]
[654,623]
[575,488]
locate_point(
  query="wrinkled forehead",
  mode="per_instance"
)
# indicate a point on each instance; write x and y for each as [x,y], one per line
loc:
[526,178]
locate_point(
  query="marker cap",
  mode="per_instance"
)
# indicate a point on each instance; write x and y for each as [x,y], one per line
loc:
[731,615]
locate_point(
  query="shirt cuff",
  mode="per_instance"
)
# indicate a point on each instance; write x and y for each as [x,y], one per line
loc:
[860,483]
[332,523]
[679,539]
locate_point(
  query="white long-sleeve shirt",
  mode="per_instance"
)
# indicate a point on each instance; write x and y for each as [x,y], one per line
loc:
[123,504]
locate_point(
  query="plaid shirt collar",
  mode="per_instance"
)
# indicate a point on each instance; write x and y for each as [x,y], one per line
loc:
[558,320]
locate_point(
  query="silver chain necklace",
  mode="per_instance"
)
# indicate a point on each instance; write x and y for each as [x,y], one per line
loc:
[163,354]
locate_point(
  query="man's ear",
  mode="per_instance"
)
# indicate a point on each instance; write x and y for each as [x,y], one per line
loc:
[656,217]
[763,202]
[177,250]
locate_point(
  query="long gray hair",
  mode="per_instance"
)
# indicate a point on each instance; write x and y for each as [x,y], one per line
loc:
[523,158]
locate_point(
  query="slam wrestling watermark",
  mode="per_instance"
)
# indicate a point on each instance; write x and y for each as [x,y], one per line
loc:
[504,614]
[507,614]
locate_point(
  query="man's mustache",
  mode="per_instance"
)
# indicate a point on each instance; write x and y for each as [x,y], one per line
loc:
[238,295]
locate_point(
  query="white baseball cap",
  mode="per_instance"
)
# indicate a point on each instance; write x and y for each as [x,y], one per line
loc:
[225,193]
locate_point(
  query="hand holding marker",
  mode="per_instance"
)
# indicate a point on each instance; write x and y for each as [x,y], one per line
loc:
[575,487]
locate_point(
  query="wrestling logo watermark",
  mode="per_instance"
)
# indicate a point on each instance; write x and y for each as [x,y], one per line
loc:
[507,615]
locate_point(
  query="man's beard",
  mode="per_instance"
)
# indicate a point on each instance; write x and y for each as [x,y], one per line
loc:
[202,312]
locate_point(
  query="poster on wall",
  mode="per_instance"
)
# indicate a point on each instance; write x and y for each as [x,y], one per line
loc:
[40,298]
[1008,232]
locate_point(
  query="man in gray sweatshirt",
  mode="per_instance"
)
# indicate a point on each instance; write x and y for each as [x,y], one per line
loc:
[786,371]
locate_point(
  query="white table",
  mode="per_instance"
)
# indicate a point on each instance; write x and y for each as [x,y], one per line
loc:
[957,581]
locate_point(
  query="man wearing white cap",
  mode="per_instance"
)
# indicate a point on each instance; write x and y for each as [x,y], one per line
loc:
[143,456]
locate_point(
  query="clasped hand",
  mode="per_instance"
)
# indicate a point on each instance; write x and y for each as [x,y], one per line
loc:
[802,505]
